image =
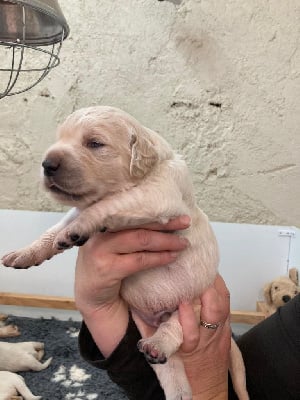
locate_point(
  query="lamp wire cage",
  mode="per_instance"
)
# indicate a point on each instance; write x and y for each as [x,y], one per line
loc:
[31,37]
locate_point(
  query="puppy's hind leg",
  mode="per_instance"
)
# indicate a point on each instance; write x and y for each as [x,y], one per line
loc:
[36,365]
[237,372]
[39,350]
[164,342]
[159,349]
[173,379]
[21,387]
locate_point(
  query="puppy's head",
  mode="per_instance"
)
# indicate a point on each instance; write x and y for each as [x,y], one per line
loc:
[100,151]
[280,291]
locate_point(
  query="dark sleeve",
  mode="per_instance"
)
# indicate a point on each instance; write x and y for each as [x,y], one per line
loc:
[271,352]
[126,366]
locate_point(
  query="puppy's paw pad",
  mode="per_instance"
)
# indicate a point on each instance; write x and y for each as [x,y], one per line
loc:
[63,245]
[151,352]
[68,240]
[78,240]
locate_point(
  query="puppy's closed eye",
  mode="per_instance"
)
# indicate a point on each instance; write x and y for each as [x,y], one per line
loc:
[94,144]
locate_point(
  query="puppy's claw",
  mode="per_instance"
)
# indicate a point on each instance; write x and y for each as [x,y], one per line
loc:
[153,360]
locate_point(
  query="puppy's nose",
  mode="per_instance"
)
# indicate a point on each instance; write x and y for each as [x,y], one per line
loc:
[286,298]
[50,166]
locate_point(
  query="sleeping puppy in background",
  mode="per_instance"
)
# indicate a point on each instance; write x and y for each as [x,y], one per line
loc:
[119,174]
[23,356]
[7,330]
[11,385]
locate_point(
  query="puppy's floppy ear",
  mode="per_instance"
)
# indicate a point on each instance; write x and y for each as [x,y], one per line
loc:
[143,154]
[267,293]
[294,276]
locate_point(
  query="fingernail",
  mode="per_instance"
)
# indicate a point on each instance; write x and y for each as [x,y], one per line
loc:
[185,219]
[184,240]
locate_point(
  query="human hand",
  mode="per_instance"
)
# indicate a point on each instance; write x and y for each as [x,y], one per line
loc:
[105,260]
[205,352]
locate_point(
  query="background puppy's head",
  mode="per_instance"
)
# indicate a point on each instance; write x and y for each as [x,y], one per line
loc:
[100,151]
[280,291]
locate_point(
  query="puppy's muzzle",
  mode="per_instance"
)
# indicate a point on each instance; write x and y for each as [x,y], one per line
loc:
[50,166]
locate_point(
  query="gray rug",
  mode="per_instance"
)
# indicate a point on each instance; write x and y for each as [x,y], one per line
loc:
[68,377]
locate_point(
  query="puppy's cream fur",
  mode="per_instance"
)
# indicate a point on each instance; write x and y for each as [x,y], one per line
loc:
[280,291]
[22,356]
[12,385]
[7,330]
[118,173]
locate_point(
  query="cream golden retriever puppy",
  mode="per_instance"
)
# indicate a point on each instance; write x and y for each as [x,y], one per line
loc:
[118,173]
[12,385]
[7,330]
[22,356]
[279,292]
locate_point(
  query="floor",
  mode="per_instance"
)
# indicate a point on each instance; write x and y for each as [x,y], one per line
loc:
[34,312]
[65,315]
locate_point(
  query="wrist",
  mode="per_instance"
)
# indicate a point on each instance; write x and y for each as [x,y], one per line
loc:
[209,379]
[90,300]
[218,392]
[107,325]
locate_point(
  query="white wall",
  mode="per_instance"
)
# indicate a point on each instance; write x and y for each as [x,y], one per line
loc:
[251,255]
[167,63]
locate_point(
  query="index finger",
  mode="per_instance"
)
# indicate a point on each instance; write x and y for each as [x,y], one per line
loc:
[190,327]
[174,224]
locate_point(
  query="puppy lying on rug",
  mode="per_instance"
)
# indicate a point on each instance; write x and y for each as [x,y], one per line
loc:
[11,385]
[23,356]
[118,173]
[7,330]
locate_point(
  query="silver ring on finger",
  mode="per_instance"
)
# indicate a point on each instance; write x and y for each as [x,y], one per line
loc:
[208,325]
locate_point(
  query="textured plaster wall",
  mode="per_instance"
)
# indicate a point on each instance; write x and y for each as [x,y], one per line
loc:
[220,79]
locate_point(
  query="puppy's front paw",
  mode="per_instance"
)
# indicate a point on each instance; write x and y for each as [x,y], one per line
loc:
[29,256]
[74,235]
[152,351]
[20,259]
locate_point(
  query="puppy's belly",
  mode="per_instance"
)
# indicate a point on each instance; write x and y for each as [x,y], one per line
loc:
[153,318]
[159,290]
